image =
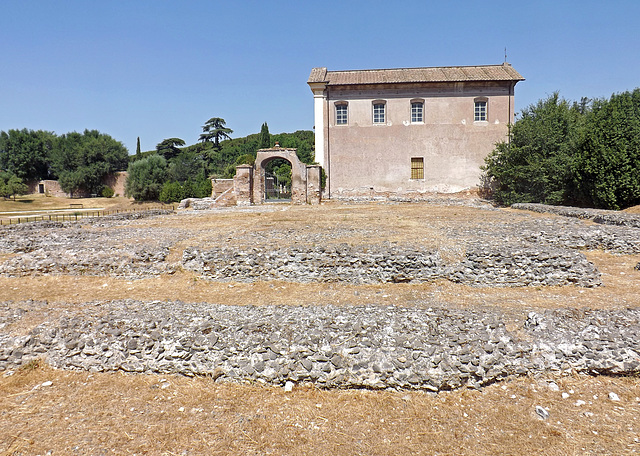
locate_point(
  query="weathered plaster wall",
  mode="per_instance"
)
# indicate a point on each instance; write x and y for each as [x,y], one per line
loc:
[362,155]
[51,188]
[117,182]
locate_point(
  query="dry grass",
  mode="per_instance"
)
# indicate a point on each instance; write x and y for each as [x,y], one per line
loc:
[27,205]
[82,413]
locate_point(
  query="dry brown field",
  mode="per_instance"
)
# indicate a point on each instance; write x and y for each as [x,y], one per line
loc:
[47,411]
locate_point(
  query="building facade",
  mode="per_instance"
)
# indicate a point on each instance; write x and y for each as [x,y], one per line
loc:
[409,131]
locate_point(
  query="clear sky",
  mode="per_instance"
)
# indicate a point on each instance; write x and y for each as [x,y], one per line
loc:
[159,69]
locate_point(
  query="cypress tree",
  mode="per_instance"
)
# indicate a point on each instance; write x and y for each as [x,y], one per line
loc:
[265,137]
[138,148]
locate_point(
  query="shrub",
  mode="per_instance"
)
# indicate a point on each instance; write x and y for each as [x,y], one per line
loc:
[107,192]
[146,178]
[171,192]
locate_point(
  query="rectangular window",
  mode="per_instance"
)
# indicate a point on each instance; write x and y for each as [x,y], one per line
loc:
[378,113]
[480,111]
[341,114]
[417,168]
[416,112]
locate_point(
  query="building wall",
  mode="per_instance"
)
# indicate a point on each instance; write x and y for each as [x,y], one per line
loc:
[362,156]
[49,187]
[116,181]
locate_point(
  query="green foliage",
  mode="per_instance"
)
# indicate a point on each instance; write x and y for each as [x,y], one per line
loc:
[265,137]
[214,130]
[138,147]
[607,171]
[281,169]
[146,178]
[25,153]
[204,188]
[221,162]
[174,191]
[11,185]
[187,165]
[82,161]
[535,165]
[107,192]
[246,159]
[571,154]
[171,192]
[302,140]
[168,148]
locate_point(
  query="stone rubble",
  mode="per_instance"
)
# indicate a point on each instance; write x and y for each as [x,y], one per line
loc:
[525,251]
[93,246]
[369,346]
[483,265]
[601,216]
[348,347]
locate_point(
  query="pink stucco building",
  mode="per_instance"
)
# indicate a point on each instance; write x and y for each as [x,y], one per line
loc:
[409,131]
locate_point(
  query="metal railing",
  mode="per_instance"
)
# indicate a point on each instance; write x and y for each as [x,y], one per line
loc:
[75,216]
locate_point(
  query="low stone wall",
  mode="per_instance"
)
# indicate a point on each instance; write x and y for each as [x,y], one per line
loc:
[482,265]
[219,186]
[69,248]
[486,265]
[346,347]
[597,215]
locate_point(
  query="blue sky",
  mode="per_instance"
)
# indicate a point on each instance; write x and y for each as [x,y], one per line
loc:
[158,69]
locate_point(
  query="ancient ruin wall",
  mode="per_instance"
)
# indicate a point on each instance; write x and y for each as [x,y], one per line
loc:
[371,346]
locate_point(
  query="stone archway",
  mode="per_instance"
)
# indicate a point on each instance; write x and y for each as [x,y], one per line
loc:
[305,179]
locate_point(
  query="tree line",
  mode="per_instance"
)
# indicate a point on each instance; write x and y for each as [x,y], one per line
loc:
[171,172]
[79,161]
[174,170]
[559,152]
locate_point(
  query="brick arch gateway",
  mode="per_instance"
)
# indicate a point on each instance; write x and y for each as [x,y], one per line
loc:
[249,182]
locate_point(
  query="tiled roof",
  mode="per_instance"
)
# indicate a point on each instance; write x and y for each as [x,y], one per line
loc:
[504,72]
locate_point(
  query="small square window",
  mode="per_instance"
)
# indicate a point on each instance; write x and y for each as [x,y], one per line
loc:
[341,114]
[378,113]
[416,112]
[417,168]
[480,111]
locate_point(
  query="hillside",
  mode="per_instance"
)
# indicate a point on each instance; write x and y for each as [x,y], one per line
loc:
[221,162]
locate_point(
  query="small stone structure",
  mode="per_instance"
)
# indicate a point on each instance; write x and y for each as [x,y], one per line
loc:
[48,187]
[249,181]
[116,181]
